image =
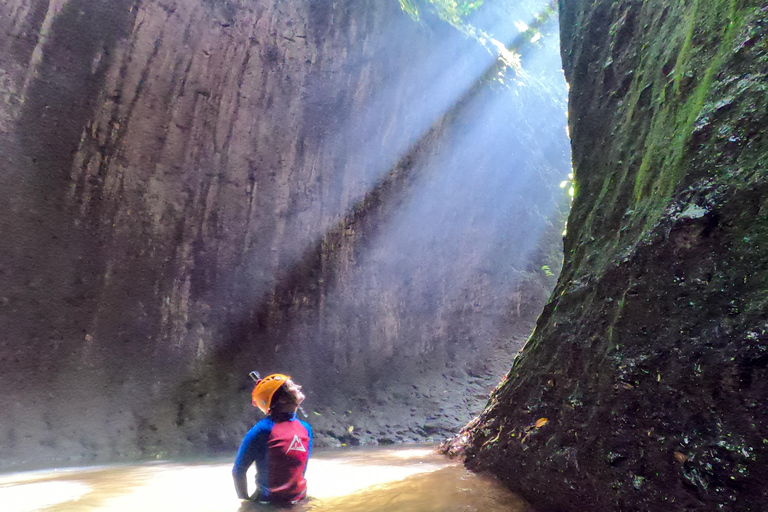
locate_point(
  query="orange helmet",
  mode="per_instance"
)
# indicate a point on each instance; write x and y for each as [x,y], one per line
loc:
[265,389]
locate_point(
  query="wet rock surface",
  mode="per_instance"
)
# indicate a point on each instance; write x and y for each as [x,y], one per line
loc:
[429,408]
[641,386]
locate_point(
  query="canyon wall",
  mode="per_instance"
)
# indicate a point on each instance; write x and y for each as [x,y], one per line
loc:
[194,189]
[643,383]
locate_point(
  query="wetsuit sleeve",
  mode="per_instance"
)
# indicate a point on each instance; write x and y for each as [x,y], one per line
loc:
[253,446]
[309,443]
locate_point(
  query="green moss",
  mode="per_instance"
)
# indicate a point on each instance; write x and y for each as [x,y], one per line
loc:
[659,116]
[684,53]
[673,124]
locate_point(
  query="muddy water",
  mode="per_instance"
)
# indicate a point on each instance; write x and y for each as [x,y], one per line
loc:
[370,480]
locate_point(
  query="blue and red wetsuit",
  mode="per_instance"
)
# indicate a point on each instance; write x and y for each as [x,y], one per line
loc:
[280,444]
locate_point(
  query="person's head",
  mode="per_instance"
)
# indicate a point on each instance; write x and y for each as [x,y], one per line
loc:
[287,398]
[277,393]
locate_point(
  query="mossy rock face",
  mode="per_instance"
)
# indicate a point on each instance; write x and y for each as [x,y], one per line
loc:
[650,361]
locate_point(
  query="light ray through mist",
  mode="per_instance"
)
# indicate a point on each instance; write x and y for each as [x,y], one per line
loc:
[450,185]
[442,79]
[463,215]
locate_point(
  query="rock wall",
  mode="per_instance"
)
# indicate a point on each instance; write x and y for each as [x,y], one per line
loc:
[641,387]
[193,189]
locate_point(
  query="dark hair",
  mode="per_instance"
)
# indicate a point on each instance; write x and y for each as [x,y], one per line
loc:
[278,395]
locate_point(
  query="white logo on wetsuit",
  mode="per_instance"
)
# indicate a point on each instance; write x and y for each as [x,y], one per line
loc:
[296,445]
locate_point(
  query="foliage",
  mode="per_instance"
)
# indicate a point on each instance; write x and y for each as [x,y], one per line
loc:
[571,184]
[457,12]
[448,10]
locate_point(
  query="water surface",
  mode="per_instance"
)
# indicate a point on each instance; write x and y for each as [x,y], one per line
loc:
[371,480]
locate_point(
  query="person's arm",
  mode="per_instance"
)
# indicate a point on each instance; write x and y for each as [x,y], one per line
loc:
[309,444]
[249,450]
[241,485]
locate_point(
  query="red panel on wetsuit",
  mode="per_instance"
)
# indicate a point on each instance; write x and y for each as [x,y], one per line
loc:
[288,450]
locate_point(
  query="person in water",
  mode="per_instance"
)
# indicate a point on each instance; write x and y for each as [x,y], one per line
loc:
[279,444]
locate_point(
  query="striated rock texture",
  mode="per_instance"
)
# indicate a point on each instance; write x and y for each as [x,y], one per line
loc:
[644,384]
[193,189]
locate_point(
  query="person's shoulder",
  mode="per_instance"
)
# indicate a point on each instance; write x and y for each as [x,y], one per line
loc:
[306,425]
[263,425]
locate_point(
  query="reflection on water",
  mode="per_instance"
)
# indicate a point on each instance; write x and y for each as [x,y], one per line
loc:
[370,480]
